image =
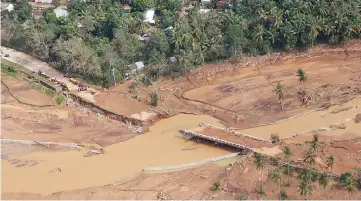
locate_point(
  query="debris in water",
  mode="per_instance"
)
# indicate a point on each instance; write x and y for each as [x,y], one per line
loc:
[358,118]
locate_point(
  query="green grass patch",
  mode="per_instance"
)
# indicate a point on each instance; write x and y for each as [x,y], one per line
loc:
[37,86]
[9,70]
[59,100]
[19,68]
[226,161]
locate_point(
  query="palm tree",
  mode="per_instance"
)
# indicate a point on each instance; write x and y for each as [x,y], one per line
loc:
[310,157]
[350,185]
[316,145]
[288,154]
[260,163]
[277,176]
[324,181]
[279,92]
[330,161]
[305,188]
[307,176]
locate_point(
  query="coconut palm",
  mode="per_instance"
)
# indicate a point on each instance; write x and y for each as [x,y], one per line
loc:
[324,181]
[279,92]
[260,163]
[310,157]
[316,145]
[305,188]
[330,161]
[288,154]
[277,176]
[350,185]
[307,176]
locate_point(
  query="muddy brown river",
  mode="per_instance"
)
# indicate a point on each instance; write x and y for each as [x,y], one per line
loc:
[161,146]
[313,121]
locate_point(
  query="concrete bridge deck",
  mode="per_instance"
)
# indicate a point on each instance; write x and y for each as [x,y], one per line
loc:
[226,138]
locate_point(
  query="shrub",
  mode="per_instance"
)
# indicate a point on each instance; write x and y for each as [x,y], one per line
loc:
[283,195]
[242,197]
[344,177]
[301,75]
[154,99]
[275,138]
[59,99]
[150,77]
[11,69]
[216,185]
[132,85]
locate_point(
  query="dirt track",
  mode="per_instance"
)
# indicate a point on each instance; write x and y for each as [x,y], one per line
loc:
[31,63]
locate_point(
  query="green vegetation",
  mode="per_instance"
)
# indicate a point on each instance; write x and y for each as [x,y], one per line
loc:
[279,90]
[8,69]
[301,75]
[133,85]
[154,99]
[260,162]
[287,156]
[216,185]
[275,138]
[59,99]
[97,37]
[242,197]
[34,80]
[283,195]
[307,176]
[330,161]
[324,180]
[277,175]
[37,86]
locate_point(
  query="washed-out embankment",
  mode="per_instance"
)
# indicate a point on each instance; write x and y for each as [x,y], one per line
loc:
[109,114]
[87,104]
[26,142]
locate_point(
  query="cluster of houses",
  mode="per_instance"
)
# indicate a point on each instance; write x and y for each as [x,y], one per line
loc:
[61,11]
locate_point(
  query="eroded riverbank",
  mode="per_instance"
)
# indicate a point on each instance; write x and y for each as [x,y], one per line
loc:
[161,146]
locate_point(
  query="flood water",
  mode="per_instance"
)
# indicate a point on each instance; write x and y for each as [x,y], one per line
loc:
[312,121]
[161,146]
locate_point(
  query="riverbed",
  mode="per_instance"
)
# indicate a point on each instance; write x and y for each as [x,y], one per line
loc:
[161,146]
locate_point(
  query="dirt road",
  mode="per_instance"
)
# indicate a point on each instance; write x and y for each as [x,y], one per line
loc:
[31,63]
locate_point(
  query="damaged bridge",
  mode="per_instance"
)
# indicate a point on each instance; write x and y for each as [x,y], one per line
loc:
[242,143]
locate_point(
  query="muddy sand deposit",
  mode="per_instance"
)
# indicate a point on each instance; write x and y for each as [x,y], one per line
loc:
[161,146]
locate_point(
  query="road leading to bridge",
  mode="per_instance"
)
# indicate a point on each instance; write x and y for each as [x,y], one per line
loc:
[31,63]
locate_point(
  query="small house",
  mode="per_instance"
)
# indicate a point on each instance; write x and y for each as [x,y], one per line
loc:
[44,1]
[148,16]
[136,67]
[61,11]
[7,6]
[205,2]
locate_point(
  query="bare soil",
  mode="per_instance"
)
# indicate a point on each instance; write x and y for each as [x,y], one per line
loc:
[239,179]
[239,92]
[55,123]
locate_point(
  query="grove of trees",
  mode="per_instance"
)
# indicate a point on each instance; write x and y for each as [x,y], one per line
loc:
[98,36]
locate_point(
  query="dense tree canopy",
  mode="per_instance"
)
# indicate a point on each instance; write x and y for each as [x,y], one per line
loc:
[109,37]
